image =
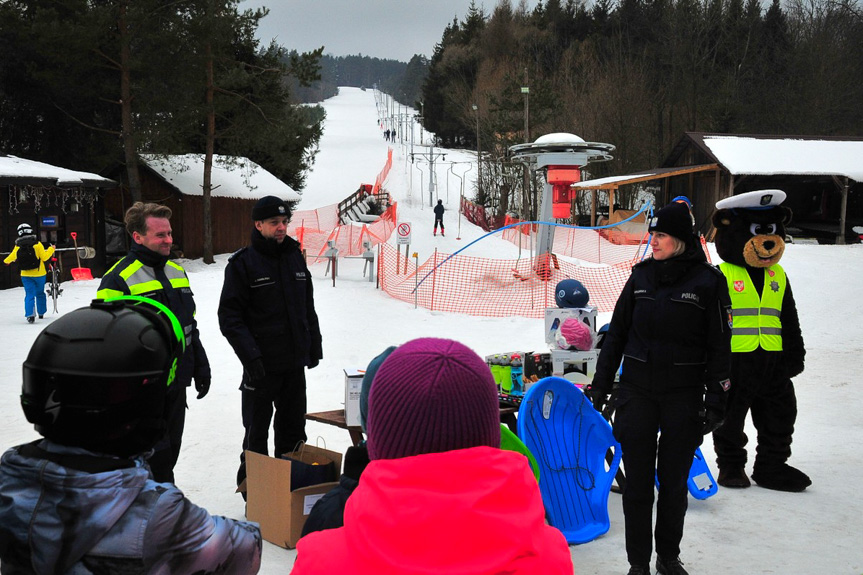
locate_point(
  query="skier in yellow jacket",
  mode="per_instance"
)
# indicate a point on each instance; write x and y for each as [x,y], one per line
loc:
[31,256]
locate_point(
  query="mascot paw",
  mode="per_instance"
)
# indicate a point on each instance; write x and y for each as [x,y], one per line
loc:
[781,477]
[734,477]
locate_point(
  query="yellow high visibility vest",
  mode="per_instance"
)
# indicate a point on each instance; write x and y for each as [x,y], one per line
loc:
[755,321]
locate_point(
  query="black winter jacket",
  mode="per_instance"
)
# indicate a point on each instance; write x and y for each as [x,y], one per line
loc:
[179,300]
[329,511]
[671,326]
[267,307]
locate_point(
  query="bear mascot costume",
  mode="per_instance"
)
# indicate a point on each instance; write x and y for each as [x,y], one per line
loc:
[766,342]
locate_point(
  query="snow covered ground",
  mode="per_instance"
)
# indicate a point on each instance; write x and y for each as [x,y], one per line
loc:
[750,531]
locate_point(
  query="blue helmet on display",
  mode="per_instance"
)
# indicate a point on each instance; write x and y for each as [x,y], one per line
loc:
[571,293]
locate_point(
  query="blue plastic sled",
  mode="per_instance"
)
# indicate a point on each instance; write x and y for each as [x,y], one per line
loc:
[700,483]
[569,440]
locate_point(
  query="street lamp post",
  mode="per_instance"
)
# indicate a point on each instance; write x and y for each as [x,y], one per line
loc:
[525,200]
[478,160]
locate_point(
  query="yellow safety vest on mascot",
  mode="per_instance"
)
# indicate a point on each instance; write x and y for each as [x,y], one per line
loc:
[755,320]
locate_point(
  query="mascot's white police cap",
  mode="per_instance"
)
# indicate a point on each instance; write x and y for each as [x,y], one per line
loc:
[757,200]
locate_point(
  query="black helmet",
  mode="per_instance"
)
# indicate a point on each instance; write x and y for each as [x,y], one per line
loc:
[98,377]
[24,230]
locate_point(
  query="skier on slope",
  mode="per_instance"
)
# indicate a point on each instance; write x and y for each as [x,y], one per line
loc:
[438,217]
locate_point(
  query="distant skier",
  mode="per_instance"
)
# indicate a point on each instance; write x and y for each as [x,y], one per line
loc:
[438,217]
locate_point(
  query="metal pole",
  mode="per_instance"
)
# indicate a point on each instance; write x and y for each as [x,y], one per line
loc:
[431,175]
[526,191]
[478,153]
[416,277]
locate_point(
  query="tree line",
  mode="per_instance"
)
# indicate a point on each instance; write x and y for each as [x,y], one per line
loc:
[402,80]
[637,74]
[91,84]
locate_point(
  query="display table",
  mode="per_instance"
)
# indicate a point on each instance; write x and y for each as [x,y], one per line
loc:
[336,417]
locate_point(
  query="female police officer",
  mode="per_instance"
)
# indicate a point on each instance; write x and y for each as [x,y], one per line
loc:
[671,328]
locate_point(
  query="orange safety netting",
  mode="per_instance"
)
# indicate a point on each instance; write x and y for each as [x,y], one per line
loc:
[523,287]
[496,288]
[315,228]
[586,244]
[348,238]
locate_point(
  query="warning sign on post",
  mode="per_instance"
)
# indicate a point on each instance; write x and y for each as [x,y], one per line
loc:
[403,233]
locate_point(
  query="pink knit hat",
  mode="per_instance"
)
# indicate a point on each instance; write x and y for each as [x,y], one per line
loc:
[432,395]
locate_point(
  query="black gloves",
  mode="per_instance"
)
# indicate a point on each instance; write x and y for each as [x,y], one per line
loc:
[255,370]
[597,397]
[202,385]
[715,399]
[313,363]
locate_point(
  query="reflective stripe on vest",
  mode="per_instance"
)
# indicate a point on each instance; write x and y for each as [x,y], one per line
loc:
[141,279]
[755,321]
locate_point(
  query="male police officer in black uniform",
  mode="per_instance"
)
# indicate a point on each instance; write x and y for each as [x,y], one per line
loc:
[267,313]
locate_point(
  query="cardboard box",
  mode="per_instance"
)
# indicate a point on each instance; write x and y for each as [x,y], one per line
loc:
[554,316]
[353,386]
[280,511]
[576,366]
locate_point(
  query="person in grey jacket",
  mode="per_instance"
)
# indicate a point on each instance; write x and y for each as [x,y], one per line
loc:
[82,500]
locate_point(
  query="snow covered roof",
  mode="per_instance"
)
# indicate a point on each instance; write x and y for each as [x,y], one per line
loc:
[643,176]
[758,155]
[14,170]
[232,177]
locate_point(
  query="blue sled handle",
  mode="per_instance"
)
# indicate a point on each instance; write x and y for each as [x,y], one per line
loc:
[700,483]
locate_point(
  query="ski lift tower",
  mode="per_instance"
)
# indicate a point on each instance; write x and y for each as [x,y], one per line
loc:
[561,156]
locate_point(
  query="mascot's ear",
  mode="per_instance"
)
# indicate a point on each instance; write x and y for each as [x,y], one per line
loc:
[786,211]
[722,218]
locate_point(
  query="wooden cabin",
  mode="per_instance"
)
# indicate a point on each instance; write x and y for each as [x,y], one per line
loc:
[176,181]
[55,202]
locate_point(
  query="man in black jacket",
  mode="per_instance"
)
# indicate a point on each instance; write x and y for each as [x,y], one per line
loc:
[267,313]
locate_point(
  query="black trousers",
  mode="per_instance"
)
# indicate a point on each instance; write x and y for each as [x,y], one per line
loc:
[283,394]
[167,451]
[649,455]
[438,222]
[772,402]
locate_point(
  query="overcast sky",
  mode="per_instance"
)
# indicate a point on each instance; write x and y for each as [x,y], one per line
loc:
[393,29]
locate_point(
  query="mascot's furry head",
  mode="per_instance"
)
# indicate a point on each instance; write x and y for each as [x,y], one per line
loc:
[750,228]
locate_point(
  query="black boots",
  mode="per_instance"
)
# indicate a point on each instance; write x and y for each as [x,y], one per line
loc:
[670,566]
[780,477]
[639,570]
[734,477]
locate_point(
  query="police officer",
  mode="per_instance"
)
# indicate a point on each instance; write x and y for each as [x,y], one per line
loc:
[267,313]
[147,271]
[671,328]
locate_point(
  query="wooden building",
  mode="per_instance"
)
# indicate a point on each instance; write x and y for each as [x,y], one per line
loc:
[55,202]
[176,181]
[822,176]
